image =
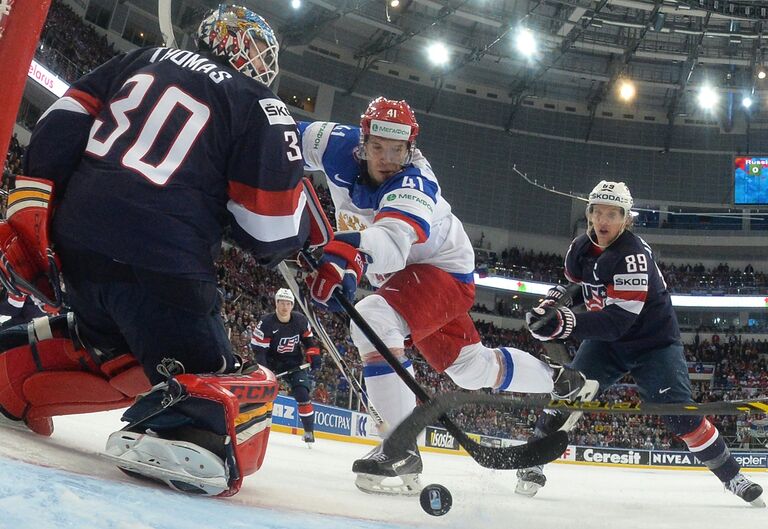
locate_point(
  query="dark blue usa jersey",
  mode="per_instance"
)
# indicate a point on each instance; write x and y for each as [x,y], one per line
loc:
[282,346]
[624,292]
[156,151]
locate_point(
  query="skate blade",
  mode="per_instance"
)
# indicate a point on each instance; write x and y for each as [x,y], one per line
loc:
[409,485]
[179,481]
[181,465]
[527,489]
[758,502]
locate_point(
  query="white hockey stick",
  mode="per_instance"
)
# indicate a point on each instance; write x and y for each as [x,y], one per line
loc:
[306,307]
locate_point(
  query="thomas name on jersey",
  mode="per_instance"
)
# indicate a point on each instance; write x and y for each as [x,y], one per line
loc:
[192,61]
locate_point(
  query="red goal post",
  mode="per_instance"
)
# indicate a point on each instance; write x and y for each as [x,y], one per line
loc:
[20,24]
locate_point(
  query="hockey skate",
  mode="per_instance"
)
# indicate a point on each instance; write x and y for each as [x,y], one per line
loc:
[530,480]
[378,465]
[746,489]
[309,438]
[571,385]
[181,465]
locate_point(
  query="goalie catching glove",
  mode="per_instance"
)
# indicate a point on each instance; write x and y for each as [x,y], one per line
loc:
[550,323]
[341,267]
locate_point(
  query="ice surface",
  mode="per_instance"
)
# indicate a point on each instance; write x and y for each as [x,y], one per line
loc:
[68,486]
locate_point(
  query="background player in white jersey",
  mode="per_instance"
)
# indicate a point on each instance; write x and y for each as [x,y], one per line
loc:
[396,227]
[629,327]
[282,340]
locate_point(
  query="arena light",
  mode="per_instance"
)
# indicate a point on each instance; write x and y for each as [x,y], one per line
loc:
[761,74]
[296,4]
[746,102]
[526,42]
[708,97]
[627,90]
[394,3]
[438,53]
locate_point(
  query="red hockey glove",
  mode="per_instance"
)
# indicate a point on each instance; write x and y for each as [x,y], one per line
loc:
[341,267]
[314,359]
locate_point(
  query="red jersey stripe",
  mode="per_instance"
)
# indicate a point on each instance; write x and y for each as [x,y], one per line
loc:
[627,295]
[421,236]
[91,104]
[270,203]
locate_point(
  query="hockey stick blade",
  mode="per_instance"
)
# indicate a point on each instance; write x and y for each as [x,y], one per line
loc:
[537,452]
[551,447]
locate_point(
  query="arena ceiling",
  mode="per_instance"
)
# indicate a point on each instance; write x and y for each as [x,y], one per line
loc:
[669,49]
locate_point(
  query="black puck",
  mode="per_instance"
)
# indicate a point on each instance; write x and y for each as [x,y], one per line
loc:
[436,500]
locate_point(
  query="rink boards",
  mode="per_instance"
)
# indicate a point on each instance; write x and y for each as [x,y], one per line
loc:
[352,426]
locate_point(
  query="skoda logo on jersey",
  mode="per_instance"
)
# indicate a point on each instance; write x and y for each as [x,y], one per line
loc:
[276,112]
[287,345]
[391,197]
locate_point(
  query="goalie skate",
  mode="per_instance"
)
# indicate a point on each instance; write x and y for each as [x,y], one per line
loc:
[379,472]
[183,466]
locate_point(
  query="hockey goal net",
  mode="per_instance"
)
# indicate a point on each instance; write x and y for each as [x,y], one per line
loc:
[20,24]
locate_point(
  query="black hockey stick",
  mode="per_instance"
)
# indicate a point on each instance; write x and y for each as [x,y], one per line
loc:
[425,415]
[306,307]
[536,452]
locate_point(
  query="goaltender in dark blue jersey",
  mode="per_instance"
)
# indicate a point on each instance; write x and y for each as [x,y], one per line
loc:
[624,292]
[183,145]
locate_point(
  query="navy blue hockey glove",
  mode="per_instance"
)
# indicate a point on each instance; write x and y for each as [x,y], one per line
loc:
[550,323]
[341,267]
[557,295]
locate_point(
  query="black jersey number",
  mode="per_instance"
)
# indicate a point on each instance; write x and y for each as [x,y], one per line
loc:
[152,127]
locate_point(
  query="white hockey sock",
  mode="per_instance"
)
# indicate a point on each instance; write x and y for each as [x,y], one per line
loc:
[524,373]
[388,393]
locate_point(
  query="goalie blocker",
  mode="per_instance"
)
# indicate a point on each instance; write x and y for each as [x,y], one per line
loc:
[218,431]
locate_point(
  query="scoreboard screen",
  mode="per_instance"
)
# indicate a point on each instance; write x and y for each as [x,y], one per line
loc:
[750,180]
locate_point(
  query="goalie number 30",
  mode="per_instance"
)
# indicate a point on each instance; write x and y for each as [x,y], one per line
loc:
[155,122]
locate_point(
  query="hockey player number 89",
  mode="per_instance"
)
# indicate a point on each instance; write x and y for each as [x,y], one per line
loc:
[155,122]
[636,263]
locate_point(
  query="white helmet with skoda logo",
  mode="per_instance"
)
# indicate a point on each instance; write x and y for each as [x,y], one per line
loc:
[610,194]
[284,294]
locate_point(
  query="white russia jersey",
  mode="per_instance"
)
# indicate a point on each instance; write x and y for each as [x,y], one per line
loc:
[411,199]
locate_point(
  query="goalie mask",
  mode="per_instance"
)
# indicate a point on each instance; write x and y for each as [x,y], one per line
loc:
[392,120]
[609,194]
[243,38]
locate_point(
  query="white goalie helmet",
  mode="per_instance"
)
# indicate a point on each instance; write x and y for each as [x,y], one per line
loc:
[233,32]
[284,294]
[611,194]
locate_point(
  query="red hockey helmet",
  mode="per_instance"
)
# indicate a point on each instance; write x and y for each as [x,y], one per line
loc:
[390,119]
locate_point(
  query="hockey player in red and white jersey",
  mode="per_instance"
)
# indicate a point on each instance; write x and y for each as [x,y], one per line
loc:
[152,155]
[396,227]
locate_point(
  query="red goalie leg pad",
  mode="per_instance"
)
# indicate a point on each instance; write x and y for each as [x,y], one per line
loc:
[247,401]
[126,375]
[55,393]
[20,363]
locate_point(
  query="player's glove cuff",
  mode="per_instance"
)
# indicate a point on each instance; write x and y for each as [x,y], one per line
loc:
[550,323]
